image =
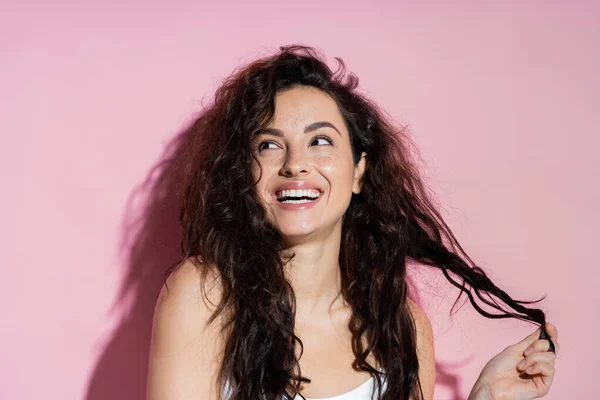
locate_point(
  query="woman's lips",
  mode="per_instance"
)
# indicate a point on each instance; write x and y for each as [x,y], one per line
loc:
[299,206]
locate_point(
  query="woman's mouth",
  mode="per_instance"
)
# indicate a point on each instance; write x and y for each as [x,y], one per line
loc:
[297,199]
[297,196]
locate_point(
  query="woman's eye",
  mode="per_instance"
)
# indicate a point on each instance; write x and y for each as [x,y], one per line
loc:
[262,145]
[324,138]
[319,140]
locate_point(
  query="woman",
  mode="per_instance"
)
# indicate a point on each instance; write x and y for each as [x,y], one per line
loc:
[300,208]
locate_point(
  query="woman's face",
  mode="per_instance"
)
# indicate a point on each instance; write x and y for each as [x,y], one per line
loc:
[308,174]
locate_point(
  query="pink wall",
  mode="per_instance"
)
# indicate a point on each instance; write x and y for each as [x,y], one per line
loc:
[503,101]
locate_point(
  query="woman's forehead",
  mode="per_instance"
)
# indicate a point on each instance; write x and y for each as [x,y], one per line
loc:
[304,104]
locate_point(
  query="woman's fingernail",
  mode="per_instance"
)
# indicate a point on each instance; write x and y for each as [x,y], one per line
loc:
[528,351]
[521,364]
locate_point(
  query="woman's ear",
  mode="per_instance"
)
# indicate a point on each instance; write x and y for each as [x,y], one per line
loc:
[359,171]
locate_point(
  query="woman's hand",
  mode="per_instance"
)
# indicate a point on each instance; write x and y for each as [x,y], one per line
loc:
[523,371]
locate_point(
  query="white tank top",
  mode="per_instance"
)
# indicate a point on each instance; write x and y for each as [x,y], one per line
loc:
[366,391]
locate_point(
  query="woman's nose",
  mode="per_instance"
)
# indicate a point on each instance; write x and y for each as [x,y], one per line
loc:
[296,163]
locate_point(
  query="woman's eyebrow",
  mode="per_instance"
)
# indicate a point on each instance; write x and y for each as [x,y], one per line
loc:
[309,128]
[321,124]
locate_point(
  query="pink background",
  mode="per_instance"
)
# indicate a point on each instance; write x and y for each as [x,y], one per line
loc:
[503,101]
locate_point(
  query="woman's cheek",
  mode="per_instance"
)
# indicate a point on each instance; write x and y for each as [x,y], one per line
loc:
[326,162]
[334,170]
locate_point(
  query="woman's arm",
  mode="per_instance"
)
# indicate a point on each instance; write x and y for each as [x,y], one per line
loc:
[425,349]
[183,351]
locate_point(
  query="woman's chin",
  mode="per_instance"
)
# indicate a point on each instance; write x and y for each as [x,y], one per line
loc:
[297,232]
[296,235]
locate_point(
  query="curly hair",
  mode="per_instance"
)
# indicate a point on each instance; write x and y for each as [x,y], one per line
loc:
[226,231]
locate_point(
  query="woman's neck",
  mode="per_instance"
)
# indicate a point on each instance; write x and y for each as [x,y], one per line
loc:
[315,276]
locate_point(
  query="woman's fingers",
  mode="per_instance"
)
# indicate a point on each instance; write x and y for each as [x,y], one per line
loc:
[541,375]
[540,357]
[528,341]
[538,345]
[533,343]
[544,369]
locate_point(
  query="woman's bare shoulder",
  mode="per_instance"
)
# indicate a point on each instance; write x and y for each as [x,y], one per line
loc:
[187,284]
[185,350]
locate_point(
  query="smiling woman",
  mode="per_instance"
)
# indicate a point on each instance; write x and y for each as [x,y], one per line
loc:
[311,149]
[301,208]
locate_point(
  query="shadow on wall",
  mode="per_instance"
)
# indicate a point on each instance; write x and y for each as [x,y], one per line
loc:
[151,243]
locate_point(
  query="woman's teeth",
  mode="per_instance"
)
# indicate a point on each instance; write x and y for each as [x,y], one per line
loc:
[296,201]
[295,196]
